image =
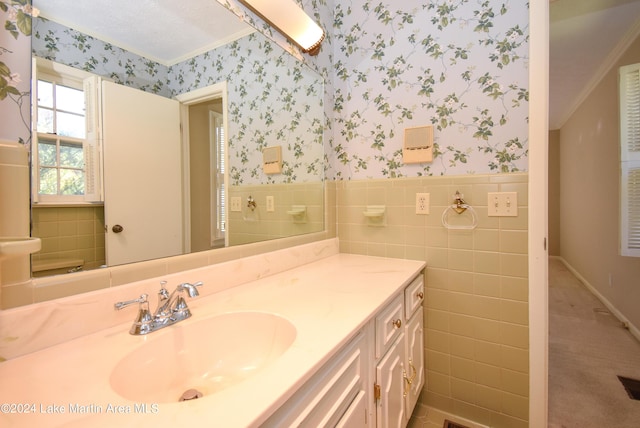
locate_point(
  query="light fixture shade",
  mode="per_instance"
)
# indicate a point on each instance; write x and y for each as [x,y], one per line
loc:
[288,18]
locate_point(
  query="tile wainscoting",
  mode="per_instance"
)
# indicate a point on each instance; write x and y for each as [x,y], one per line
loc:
[476,333]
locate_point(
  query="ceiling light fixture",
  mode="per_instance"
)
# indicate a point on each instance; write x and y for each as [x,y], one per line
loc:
[289,19]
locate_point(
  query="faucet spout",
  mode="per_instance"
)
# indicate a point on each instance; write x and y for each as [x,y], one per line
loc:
[168,305]
[191,289]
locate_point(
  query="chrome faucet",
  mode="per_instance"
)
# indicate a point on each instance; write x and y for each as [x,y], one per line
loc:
[172,308]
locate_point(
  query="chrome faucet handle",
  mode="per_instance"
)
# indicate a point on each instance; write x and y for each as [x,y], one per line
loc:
[121,305]
[163,293]
[143,323]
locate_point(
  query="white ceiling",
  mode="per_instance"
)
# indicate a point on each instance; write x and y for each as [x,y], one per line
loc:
[585,37]
[166,31]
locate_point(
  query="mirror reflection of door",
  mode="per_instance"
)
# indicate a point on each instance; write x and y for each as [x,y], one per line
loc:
[143,175]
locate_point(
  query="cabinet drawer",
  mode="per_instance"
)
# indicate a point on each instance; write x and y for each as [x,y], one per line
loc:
[324,400]
[389,325]
[413,296]
[356,414]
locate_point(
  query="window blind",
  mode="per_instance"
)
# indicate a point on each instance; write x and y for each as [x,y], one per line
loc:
[629,86]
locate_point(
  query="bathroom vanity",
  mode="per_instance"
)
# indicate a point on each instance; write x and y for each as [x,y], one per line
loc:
[335,341]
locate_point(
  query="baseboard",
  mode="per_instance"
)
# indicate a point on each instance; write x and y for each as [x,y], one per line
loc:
[635,332]
[437,414]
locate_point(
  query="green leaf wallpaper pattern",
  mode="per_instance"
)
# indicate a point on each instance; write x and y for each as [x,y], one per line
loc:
[459,65]
[273,99]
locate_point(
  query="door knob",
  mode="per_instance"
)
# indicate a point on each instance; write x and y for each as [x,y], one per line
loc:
[117,228]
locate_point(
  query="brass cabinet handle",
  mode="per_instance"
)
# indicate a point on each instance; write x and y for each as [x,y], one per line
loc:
[410,380]
[420,295]
[397,323]
[117,228]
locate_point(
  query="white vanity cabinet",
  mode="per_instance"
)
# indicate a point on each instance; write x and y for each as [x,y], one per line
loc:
[387,353]
[399,372]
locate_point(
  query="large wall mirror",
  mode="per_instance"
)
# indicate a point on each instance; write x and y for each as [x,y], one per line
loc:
[195,132]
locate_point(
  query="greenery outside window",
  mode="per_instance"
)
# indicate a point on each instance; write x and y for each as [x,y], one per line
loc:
[61,166]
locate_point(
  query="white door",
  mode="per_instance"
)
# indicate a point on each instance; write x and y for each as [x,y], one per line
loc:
[142,175]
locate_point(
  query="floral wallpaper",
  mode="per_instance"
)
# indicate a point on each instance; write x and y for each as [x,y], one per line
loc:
[15,64]
[459,65]
[64,45]
[273,98]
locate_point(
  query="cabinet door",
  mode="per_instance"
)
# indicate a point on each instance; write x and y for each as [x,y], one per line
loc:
[390,408]
[415,360]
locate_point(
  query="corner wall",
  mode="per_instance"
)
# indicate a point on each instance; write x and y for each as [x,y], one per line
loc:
[589,190]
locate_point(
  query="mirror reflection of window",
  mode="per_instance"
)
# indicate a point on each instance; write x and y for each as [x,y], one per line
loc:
[61,158]
[61,167]
[60,110]
[218,143]
[64,158]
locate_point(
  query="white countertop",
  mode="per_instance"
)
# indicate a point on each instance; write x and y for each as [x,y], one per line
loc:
[328,301]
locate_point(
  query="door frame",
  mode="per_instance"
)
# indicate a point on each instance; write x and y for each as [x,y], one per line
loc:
[538,213]
[207,93]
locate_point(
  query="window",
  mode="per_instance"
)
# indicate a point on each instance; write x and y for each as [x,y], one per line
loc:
[65,147]
[60,110]
[61,166]
[629,81]
[217,175]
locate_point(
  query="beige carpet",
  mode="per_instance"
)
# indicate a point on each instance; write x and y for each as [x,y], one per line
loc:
[588,349]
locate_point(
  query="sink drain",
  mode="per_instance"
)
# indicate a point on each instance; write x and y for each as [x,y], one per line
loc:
[190,394]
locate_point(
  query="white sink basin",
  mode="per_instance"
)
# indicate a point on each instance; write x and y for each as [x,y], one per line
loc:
[208,355]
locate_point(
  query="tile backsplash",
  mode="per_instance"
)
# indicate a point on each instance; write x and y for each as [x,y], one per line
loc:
[70,233]
[476,318]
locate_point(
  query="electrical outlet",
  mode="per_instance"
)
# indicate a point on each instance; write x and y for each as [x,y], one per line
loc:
[422,203]
[502,204]
[236,203]
[271,205]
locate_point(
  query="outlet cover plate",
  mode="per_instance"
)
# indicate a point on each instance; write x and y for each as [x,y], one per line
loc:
[422,203]
[271,206]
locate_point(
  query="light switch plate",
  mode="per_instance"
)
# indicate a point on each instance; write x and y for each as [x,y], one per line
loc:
[502,204]
[271,206]
[236,203]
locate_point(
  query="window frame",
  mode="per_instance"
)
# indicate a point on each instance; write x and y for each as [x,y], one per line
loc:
[91,144]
